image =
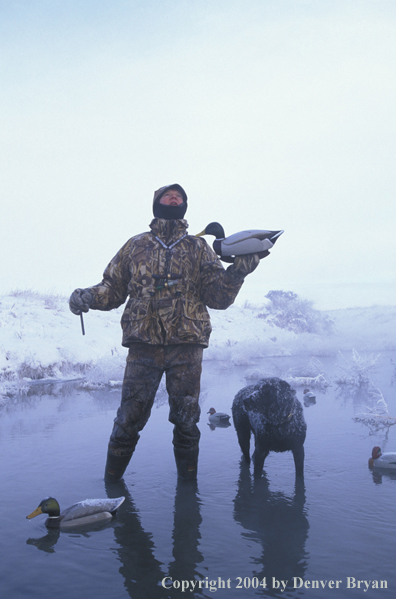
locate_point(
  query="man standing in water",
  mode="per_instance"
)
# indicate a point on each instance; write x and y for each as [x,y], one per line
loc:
[170,278]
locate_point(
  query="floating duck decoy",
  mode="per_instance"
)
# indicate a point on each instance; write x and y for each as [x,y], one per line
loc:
[253,241]
[382,460]
[90,511]
[218,418]
[308,397]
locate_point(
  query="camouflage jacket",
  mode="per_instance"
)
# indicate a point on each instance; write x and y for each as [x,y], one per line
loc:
[170,278]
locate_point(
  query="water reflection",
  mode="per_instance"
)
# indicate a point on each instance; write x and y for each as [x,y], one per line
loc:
[275,521]
[186,534]
[220,425]
[47,542]
[143,574]
[135,548]
[378,474]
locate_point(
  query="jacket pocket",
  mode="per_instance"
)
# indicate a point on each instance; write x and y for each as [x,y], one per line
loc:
[195,323]
[194,310]
[135,311]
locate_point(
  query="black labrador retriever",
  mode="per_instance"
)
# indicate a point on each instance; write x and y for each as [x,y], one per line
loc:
[271,411]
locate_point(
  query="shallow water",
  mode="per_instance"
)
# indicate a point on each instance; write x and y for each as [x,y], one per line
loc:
[226,530]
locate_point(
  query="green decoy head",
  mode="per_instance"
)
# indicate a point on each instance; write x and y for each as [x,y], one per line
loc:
[49,506]
[213,229]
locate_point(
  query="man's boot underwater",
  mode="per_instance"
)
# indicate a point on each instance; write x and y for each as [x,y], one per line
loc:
[116,466]
[186,462]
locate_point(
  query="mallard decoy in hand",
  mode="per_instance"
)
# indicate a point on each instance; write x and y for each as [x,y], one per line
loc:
[253,241]
[90,511]
[382,460]
[218,418]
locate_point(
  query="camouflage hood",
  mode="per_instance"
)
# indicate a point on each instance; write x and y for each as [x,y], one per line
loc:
[169,212]
[162,190]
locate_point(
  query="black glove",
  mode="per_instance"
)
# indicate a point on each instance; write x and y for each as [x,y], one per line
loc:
[80,301]
[244,265]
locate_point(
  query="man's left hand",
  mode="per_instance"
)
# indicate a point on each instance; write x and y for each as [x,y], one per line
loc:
[244,265]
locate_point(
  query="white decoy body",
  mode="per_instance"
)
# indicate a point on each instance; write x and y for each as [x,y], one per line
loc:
[83,513]
[382,460]
[308,397]
[252,241]
[218,418]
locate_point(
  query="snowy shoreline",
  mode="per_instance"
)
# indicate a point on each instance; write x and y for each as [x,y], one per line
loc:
[42,340]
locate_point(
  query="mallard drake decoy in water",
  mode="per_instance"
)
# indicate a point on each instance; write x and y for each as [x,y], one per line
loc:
[382,460]
[90,511]
[253,241]
[218,418]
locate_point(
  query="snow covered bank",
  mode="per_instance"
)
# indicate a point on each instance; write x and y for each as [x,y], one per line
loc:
[41,339]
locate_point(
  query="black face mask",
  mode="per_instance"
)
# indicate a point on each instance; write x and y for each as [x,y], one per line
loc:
[169,212]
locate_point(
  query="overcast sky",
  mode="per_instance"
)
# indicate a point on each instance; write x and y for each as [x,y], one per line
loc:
[272,114]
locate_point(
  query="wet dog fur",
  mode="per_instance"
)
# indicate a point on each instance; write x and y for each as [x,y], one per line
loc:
[271,411]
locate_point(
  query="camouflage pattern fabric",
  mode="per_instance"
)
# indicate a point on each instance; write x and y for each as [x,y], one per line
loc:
[170,278]
[244,265]
[144,369]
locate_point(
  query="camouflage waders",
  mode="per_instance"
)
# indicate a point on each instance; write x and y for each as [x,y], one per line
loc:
[145,366]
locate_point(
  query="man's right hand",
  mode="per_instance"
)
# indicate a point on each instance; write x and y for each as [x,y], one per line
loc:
[80,301]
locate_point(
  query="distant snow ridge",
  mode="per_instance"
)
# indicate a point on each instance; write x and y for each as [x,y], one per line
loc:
[41,340]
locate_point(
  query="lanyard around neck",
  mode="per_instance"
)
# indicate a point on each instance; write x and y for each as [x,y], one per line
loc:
[169,247]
